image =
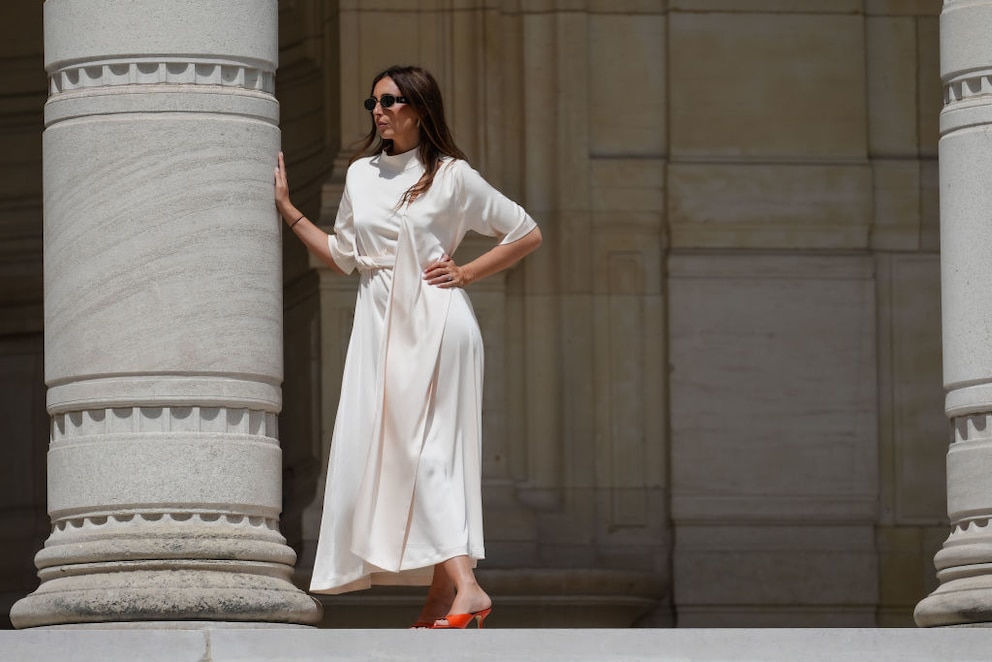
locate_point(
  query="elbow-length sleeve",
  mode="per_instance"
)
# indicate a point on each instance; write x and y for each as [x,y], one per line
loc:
[341,242]
[486,210]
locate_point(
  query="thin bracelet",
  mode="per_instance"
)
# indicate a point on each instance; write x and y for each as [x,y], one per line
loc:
[293,224]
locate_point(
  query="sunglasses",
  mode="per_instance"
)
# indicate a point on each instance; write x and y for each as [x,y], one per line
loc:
[386,101]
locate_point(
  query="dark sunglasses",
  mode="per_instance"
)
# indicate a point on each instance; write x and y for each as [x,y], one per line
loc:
[386,101]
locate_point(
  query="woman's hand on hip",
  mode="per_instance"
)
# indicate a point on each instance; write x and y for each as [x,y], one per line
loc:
[445,273]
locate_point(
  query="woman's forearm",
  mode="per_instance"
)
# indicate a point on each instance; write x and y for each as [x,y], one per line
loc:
[500,257]
[312,236]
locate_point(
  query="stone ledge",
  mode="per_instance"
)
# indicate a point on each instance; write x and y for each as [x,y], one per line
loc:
[217,643]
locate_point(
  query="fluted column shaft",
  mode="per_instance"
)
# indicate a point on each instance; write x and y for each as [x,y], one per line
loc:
[964,564]
[163,316]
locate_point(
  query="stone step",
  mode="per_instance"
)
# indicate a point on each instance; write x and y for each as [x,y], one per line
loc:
[215,643]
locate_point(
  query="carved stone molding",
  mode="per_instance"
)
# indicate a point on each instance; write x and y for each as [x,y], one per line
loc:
[967,88]
[125,523]
[973,427]
[972,526]
[155,537]
[115,73]
[74,426]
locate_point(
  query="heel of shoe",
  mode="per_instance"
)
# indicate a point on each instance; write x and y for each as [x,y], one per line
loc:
[480,616]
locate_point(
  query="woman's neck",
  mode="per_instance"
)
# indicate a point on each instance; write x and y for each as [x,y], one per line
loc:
[399,148]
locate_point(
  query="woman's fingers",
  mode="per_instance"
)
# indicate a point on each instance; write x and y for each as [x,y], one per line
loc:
[442,265]
[443,273]
[281,185]
[435,271]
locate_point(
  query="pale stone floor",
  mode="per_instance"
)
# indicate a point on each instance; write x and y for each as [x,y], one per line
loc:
[218,644]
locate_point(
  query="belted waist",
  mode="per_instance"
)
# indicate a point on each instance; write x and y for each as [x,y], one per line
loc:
[368,263]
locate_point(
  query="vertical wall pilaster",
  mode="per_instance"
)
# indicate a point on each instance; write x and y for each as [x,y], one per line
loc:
[163,317]
[964,564]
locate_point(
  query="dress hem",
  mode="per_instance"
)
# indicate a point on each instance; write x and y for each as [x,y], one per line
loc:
[417,576]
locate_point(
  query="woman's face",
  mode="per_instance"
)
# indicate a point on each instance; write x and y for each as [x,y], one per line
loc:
[398,122]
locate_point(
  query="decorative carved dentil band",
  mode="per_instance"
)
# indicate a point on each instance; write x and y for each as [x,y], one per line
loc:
[967,88]
[71,527]
[116,73]
[979,525]
[973,427]
[74,425]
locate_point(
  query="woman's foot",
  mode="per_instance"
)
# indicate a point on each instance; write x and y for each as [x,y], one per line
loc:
[431,611]
[461,621]
[470,599]
[439,599]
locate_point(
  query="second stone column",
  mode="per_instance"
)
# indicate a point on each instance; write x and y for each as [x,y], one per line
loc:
[964,564]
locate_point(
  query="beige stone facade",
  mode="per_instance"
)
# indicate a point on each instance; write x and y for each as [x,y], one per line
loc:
[714,395]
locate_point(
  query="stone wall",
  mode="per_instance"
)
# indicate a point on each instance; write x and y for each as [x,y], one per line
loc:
[807,434]
[714,395]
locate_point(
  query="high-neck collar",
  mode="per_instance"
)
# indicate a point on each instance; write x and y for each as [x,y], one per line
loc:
[402,161]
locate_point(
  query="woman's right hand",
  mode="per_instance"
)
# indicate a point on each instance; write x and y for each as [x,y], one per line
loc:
[312,236]
[281,190]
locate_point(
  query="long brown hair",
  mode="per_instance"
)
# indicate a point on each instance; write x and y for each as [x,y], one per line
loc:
[421,92]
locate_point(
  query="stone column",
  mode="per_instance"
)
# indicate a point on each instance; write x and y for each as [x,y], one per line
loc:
[163,317]
[964,564]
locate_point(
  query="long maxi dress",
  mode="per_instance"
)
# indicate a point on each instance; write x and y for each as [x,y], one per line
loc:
[404,479]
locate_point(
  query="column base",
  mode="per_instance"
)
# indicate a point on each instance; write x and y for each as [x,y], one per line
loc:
[166,595]
[963,602]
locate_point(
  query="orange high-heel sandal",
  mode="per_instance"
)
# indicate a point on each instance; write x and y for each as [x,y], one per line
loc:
[461,621]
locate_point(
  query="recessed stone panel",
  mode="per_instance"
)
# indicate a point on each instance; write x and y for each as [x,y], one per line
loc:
[893,119]
[778,6]
[633,188]
[741,564]
[773,383]
[627,84]
[902,7]
[627,6]
[769,206]
[775,86]
[929,86]
[929,206]
[914,431]
[897,223]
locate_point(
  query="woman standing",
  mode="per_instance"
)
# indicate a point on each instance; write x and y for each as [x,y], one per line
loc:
[403,498]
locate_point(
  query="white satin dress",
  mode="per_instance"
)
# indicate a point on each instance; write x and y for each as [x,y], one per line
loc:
[404,477]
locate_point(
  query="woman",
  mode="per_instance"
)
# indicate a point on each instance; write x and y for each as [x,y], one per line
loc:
[403,497]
